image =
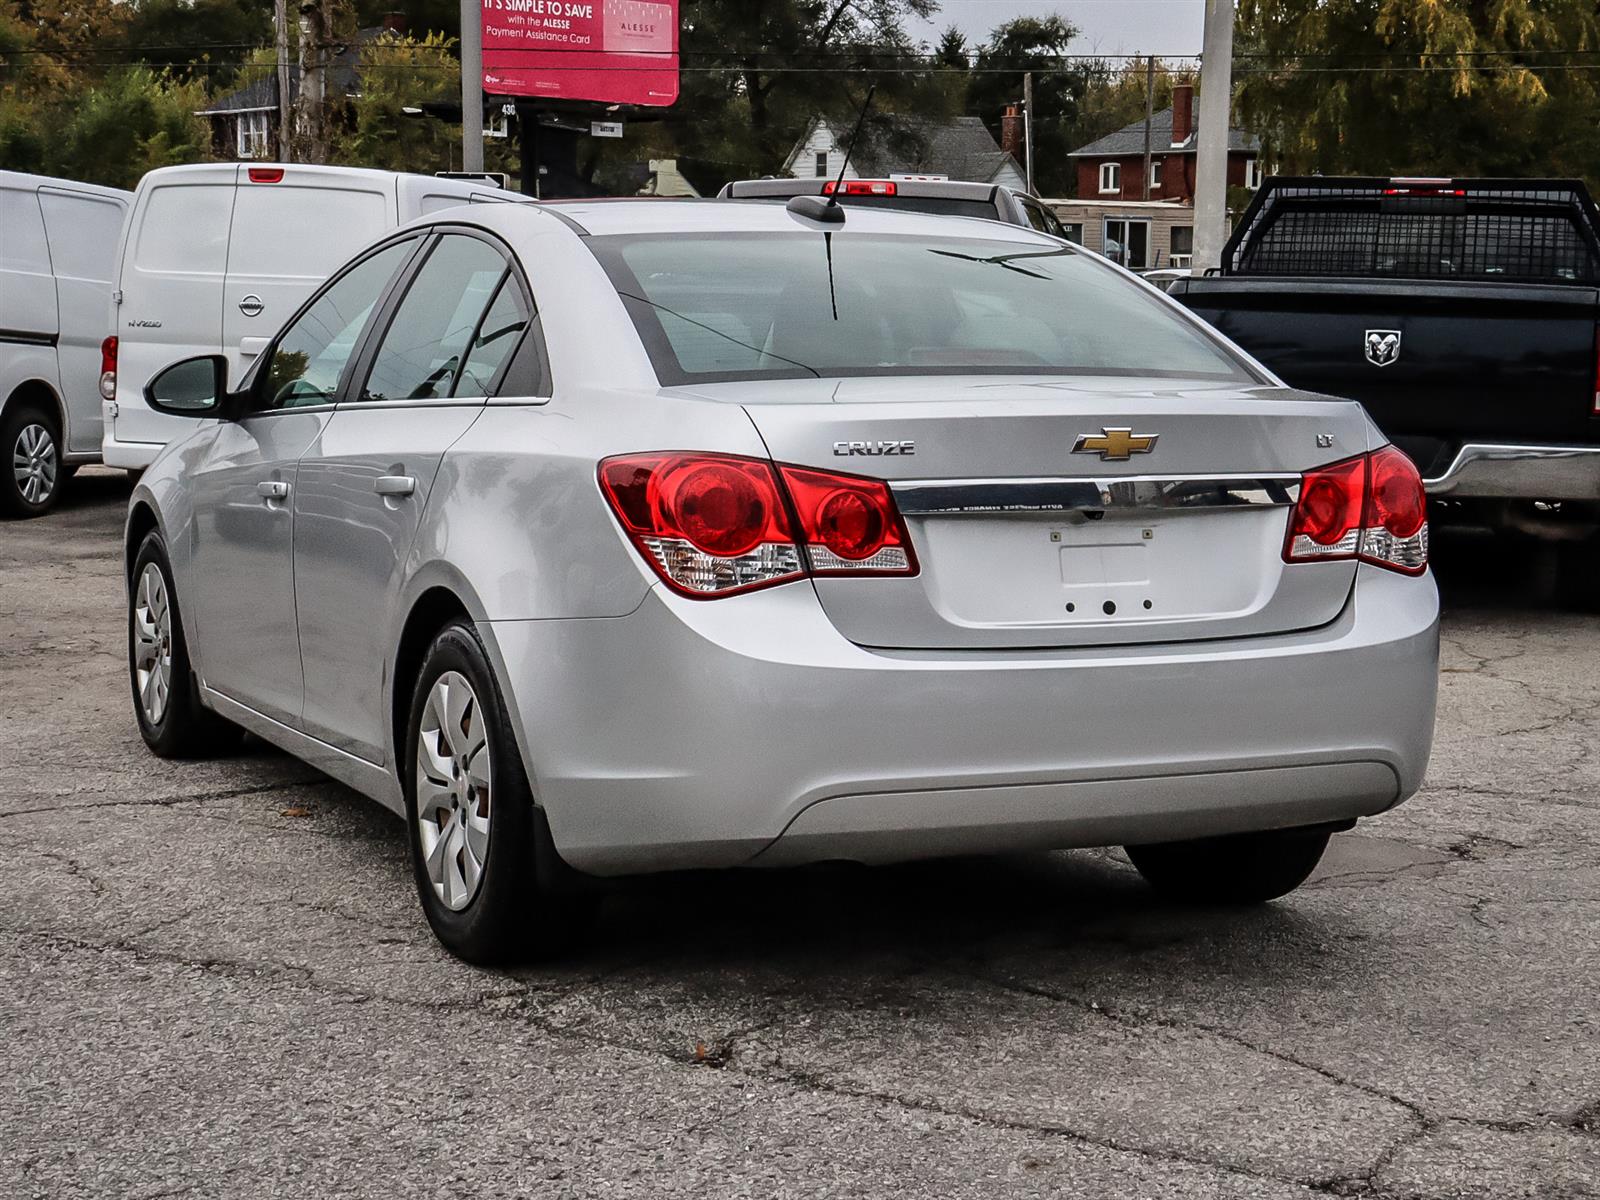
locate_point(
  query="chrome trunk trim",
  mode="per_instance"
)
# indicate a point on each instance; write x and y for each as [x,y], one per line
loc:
[1521,472]
[986,497]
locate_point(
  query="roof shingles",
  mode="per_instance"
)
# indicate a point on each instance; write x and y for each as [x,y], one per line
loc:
[1129,140]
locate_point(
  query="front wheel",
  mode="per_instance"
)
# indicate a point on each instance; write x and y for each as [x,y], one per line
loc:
[166,700]
[1247,868]
[476,851]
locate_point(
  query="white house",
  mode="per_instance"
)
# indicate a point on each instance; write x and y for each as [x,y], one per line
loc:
[958,149]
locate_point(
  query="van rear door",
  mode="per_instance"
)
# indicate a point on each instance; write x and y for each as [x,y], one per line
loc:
[175,251]
[291,230]
[84,228]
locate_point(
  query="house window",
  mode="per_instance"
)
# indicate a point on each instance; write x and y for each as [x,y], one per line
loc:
[1072,231]
[822,164]
[253,135]
[1127,242]
[1182,253]
[1252,173]
[1155,174]
[1110,177]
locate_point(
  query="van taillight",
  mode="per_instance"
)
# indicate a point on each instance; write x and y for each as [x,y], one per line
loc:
[266,174]
[1371,508]
[862,187]
[716,524]
[108,368]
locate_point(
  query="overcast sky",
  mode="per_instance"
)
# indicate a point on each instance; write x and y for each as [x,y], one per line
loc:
[1164,27]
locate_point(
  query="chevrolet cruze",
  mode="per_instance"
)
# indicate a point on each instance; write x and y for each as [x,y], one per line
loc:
[619,537]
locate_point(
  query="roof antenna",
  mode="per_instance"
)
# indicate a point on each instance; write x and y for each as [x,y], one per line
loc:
[829,211]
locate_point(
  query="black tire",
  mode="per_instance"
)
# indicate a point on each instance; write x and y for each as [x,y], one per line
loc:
[1248,868]
[183,728]
[1578,575]
[520,908]
[20,431]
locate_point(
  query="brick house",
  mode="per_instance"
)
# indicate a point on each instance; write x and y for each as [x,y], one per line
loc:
[1113,167]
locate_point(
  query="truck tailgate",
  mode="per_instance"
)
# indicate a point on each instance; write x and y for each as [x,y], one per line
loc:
[1485,360]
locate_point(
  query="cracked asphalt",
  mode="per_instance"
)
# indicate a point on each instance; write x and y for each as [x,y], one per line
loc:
[215,979]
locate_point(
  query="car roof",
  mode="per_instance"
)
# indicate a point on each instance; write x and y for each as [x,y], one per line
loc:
[622,216]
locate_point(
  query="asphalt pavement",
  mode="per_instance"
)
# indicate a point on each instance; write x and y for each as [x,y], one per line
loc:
[215,979]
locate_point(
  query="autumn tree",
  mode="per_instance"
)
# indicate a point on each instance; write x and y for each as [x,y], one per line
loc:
[1426,87]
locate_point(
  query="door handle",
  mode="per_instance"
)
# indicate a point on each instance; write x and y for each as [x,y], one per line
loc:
[273,489]
[395,485]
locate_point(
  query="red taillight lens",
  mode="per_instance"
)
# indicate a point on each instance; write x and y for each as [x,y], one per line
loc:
[266,174]
[1372,508]
[850,524]
[862,187]
[1327,520]
[108,368]
[715,524]
[710,524]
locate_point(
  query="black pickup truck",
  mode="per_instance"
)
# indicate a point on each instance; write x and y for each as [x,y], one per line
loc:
[1463,313]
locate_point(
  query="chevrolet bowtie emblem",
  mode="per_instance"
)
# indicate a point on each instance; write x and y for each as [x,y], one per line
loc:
[1115,444]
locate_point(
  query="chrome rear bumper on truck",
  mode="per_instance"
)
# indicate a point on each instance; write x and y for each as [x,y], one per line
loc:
[1499,470]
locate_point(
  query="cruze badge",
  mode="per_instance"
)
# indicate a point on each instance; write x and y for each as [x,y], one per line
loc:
[843,449]
[1383,346]
[1115,444]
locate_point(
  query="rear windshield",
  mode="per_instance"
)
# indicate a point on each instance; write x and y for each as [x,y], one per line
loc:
[735,306]
[941,206]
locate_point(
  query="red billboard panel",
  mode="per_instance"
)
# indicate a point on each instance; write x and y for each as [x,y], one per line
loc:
[615,51]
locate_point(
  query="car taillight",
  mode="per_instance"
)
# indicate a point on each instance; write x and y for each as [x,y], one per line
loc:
[1596,409]
[850,524]
[108,368]
[1372,508]
[717,524]
[862,187]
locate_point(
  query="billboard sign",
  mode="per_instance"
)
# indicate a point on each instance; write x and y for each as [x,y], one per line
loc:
[613,51]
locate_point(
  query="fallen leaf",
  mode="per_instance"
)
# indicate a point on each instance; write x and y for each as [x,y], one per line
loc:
[296,811]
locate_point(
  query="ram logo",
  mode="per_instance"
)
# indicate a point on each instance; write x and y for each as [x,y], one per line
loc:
[843,449]
[1383,346]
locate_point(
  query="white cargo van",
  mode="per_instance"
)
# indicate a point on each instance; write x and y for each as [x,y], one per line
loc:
[215,257]
[58,255]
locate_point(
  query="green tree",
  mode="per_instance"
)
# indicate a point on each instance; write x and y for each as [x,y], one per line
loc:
[397,72]
[1436,87]
[197,38]
[1013,49]
[133,122]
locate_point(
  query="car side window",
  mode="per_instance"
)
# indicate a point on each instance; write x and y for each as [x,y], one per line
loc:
[497,336]
[1034,214]
[310,356]
[422,350]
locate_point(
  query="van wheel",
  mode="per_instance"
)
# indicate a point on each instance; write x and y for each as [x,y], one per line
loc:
[32,478]
[480,850]
[1248,868]
[166,699]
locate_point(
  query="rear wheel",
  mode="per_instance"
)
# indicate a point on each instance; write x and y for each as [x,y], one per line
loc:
[1249,868]
[480,850]
[166,699]
[33,476]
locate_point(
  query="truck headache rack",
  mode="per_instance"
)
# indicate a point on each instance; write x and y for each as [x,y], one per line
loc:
[1538,231]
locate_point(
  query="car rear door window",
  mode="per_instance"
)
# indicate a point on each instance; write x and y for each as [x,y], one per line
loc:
[497,336]
[310,358]
[429,335]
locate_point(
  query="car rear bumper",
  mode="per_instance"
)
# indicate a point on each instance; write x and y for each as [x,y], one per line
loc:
[747,730]
[1517,471]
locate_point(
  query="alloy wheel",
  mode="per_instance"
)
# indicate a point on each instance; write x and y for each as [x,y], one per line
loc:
[33,463]
[454,780]
[152,643]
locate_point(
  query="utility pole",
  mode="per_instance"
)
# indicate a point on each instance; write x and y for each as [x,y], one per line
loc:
[1027,127]
[1149,117]
[1211,159]
[471,85]
[315,34]
[285,100]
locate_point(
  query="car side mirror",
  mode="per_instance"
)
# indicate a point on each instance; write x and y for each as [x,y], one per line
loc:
[192,387]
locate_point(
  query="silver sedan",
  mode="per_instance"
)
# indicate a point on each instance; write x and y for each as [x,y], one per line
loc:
[618,537]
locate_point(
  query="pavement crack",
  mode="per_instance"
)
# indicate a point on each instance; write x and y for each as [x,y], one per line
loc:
[168,801]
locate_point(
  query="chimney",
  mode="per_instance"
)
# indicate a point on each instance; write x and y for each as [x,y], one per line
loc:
[1182,113]
[395,22]
[1011,132]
